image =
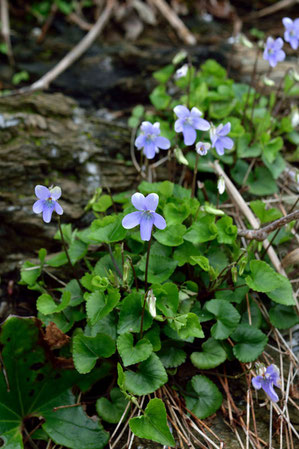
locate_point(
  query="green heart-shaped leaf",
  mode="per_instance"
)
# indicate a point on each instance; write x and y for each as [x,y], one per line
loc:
[131,354]
[171,354]
[99,304]
[46,304]
[153,424]
[209,397]
[172,235]
[150,376]
[262,277]
[211,356]
[283,317]
[130,314]
[250,343]
[227,318]
[86,350]
[284,293]
[111,411]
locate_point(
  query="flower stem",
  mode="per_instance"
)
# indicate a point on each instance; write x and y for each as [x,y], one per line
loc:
[147,261]
[67,253]
[145,281]
[250,86]
[194,175]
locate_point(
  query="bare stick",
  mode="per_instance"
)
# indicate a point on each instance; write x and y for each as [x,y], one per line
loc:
[175,21]
[262,234]
[5,30]
[272,9]
[239,201]
[45,81]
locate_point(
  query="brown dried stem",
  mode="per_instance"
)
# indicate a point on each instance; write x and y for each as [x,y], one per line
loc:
[262,234]
[45,81]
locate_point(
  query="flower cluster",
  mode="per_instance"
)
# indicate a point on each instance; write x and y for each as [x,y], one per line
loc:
[273,51]
[187,123]
[266,379]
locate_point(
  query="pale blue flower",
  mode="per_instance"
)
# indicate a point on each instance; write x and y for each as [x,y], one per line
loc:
[150,139]
[266,379]
[219,139]
[202,148]
[273,51]
[291,33]
[47,202]
[188,122]
[145,216]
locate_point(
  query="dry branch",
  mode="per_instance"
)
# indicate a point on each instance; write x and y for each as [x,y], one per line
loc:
[272,9]
[262,234]
[5,30]
[45,81]
[241,204]
[175,21]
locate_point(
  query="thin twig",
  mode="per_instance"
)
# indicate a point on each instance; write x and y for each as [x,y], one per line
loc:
[45,81]
[271,9]
[175,21]
[262,234]
[239,201]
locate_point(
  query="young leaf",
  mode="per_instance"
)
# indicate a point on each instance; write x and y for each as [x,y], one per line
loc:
[28,275]
[227,318]
[46,304]
[211,356]
[202,231]
[86,350]
[131,354]
[209,397]
[153,424]
[111,411]
[191,327]
[250,343]
[227,232]
[150,376]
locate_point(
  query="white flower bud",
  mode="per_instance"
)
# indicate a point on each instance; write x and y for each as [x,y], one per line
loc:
[151,302]
[221,185]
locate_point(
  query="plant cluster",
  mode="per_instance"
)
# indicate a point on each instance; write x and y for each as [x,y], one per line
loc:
[133,305]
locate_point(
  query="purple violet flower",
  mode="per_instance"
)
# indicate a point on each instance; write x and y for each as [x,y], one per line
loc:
[145,216]
[266,379]
[219,139]
[188,122]
[150,139]
[202,148]
[47,202]
[291,33]
[273,51]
